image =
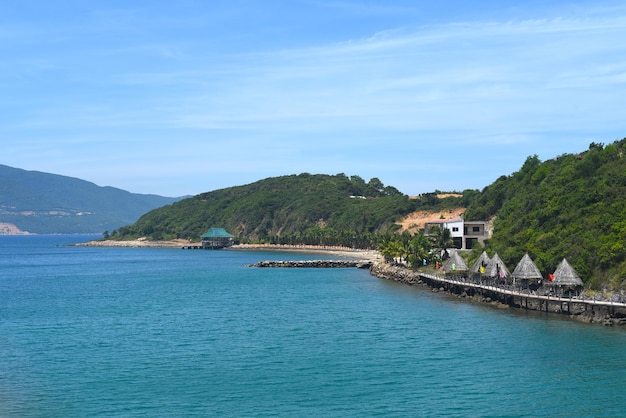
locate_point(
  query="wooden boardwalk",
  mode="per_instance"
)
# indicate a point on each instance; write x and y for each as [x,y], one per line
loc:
[529,300]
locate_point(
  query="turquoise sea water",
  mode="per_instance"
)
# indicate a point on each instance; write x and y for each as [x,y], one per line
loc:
[114,332]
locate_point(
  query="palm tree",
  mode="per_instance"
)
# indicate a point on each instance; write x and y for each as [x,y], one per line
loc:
[404,246]
[419,249]
[442,240]
[390,249]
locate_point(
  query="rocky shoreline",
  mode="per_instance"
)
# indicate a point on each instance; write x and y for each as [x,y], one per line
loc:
[588,312]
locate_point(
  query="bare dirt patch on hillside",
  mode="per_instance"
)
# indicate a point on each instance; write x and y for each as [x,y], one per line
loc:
[416,220]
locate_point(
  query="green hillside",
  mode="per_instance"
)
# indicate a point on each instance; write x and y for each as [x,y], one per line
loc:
[47,203]
[305,208]
[573,206]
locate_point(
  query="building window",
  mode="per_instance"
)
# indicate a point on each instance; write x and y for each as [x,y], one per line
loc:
[455,229]
[476,229]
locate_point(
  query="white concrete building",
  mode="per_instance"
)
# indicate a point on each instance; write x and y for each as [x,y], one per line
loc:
[465,234]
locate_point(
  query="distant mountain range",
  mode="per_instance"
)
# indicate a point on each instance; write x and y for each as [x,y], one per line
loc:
[45,203]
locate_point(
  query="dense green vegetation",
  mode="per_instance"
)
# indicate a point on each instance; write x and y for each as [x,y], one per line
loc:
[297,209]
[47,203]
[416,250]
[573,206]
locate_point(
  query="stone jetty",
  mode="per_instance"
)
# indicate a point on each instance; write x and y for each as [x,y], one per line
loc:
[364,264]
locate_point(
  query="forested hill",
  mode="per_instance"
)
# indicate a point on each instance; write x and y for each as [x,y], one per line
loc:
[304,208]
[573,206]
[46,203]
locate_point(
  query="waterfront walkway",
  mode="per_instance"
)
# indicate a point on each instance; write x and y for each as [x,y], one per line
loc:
[524,296]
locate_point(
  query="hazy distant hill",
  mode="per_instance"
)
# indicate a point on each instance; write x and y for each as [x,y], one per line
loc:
[47,203]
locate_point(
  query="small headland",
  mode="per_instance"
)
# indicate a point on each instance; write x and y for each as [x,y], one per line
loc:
[138,243]
[607,313]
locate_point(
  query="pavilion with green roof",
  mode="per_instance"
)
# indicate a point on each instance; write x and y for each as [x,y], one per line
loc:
[216,238]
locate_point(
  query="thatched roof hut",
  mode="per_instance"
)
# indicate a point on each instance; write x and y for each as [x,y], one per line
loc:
[496,268]
[526,270]
[482,261]
[566,276]
[455,263]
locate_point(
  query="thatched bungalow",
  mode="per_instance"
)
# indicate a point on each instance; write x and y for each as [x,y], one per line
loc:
[480,265]
[455,264]
[216,238]
[526,271]
[496,268]
[566,278]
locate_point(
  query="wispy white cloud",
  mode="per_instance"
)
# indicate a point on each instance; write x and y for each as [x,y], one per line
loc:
[355,105]
[443,71]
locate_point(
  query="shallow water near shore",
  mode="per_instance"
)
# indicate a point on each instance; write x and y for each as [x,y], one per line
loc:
[166,332]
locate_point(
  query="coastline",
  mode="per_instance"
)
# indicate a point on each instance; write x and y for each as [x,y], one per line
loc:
[138,243]
[344,252]
[587,311]
[384,271]
[369,255]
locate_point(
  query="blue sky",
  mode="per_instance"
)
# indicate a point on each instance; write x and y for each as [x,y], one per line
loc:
[178,98]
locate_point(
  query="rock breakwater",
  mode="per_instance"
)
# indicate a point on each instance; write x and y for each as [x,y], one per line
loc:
[313,264]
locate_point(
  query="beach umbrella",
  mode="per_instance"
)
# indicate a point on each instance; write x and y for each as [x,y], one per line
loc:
[455,263]
[496,268]
[482,261]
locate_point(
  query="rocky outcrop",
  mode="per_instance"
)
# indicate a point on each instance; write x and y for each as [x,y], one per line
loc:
[395,273]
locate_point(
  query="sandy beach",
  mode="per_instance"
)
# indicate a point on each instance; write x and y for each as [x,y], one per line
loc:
[370,255]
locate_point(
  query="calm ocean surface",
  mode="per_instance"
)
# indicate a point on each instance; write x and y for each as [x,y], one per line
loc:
[114,332]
